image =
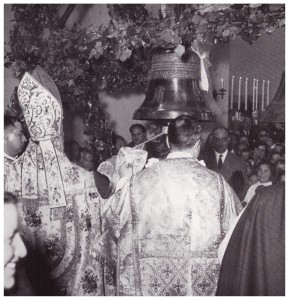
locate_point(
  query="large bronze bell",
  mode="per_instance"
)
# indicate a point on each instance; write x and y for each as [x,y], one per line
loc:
[173,89]
[275,111]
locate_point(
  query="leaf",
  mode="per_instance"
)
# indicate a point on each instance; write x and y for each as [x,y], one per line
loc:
[202,28]
[219,29]
[113,34]
[196,19]
[76,92]
[254,5]
[131,31]
[46,34]
[67,45]
[170,37]
[200,38]
[203,22]
[125,54]
[253,17]
[8,64]
[275,6]
[189,37]
[82,48]
[195,45]
[92,53]
[226,33]
[282,22]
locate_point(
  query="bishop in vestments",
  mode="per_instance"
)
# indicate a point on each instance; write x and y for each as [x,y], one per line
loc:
[59,205]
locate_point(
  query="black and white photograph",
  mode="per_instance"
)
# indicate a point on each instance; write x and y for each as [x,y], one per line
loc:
[144,149]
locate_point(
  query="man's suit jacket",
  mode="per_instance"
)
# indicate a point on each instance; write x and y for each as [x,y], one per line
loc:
[231,164]
[252,134]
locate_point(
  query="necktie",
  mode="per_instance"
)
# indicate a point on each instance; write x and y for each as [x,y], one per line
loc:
[220,162]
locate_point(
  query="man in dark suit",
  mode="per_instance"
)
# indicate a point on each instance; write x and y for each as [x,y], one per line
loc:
[248,130]
[232,167]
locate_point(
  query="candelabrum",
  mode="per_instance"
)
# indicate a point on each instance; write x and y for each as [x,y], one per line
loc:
[241,104]
[236,117]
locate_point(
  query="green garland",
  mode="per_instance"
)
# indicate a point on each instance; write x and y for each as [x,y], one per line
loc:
[116,59]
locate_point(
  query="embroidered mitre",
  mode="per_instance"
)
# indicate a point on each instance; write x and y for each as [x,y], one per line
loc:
[42,111]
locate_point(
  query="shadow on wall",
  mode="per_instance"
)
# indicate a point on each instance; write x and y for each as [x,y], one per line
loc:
[120,112]
[119,115]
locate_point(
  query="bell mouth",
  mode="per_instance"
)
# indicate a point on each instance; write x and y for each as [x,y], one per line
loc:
[163,114]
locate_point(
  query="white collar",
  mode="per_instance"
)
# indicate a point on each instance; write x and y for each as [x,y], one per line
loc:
[265,184]
[223,157]
[10,157]
[179,154]
[13,159]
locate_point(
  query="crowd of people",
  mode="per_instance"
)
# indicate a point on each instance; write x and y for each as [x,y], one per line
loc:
[251,156]
[167,215]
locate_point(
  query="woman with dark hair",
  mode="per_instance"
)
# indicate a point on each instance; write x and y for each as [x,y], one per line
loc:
[279,170]
[265,176]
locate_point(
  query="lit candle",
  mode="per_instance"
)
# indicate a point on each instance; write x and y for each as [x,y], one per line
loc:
[268,83]
[263,94]
[232,92]
[246,94]
[253,103]
[257,87]
[239,93]
[222,83]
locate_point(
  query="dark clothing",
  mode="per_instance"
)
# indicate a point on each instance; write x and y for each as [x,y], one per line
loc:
[131,144]
[156,149]
[254,261]
[231,168]
[22,285]
[103,185]
[252,134]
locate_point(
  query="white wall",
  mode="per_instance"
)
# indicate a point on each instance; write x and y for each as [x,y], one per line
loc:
[121,111]
[264,59]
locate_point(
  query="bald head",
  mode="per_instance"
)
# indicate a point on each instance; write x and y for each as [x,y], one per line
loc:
[14,138]
[221,139]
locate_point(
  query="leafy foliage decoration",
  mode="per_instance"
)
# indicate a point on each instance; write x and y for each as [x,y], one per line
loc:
[116,58]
